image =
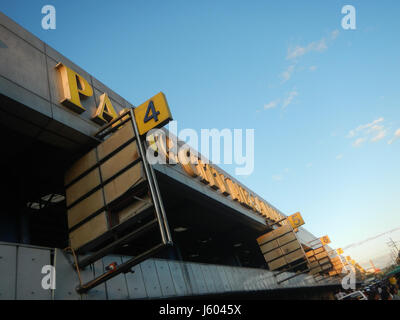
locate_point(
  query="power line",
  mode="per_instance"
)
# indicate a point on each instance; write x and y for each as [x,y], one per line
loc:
[355,244]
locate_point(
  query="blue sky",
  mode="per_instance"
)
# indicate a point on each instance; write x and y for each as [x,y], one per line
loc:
[324,101]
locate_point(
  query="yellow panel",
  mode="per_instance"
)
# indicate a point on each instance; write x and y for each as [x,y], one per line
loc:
[326,266]
[319,250]
[85,163]
[269,246]
[292,246]
[117,187]
[315,270]
[278,263]
[89,231]
[281,230]
[82,186]
[321,255]
[296,220]
[310,253]
[325,240]
[323,260]
[146,119]
[117,139]
[272,235]
[134,208]
[85,208]
[119,161]
[273,254]
[291,257]
[286,238]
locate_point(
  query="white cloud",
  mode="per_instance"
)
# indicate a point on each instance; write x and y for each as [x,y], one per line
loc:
[374,131]
[277,177]
[293,53]
[309,165]
[339,156]
[396,136]
[380,135]
[318,46]
[271,104]
[334,34]
[287,74]
[358,142]
[313,68]
[369,126]
[288,100]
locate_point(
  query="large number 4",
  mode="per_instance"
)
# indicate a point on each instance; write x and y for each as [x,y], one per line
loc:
[151,113]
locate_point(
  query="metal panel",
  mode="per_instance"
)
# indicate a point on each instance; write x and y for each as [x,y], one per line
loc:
[23,64]
[264,278]
[99,292]
[8,268]
[88,274]
[29,274]
[270,281]
[257,276]
[248,283]
[237,276]
[165,278]
[231,279]
[135,282]
[150,277]
[66,277]
[21,32]
[116,286]
[199,278]
[207,273]
[192,282]
[224,278]
[218,283]
[178,278]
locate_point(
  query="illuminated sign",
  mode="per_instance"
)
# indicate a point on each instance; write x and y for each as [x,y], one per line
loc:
[325,240]
[75,88]
[154,113]
[296,220]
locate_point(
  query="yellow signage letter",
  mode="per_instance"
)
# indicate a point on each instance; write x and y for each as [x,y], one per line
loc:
[73,87]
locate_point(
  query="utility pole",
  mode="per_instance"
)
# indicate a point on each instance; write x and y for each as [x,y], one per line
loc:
[392,245]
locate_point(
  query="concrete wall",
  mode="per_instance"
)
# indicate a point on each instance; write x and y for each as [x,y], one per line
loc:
[28,77]
[21,277]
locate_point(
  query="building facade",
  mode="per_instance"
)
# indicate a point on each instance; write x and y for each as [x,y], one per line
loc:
[214,237]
